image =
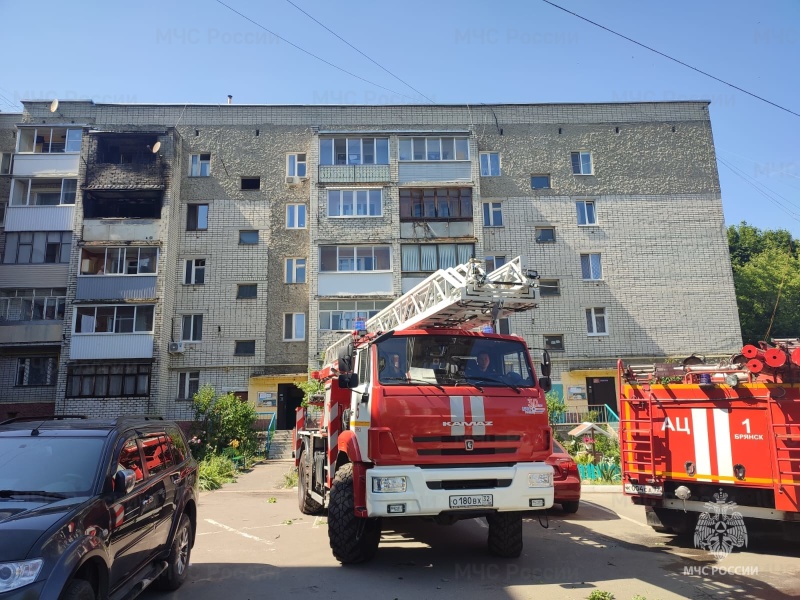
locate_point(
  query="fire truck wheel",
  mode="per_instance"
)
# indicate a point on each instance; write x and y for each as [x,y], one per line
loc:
[505,534]
[352,539]
[308,506]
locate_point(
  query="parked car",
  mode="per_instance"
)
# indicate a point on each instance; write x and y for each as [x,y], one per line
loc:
[566,479]
[94,509]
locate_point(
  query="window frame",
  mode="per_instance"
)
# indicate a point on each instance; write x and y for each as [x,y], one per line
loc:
[582,212]
[403,270]
[536,231]
[491,211]
[427,204]
[580,154]
[196,167]
[251,180]
[291,269]
[104,372]
[549,185]
[293,211]
[494,262]
[50,130]
[294,337]
[193,224]
[243,237]
[347,311]
[194,327]
[242,286]
[63,191]
[14,241]
[354,205]
[547,342]
[188,380]
[239,346]
[24,305]
[334,161]
[293,166]
[6,163]
[556,288]
[25,368]
[588,263]
[412,140]
[122,260]
[591,325]
[355,258]
[191,278]
[488,154]
[116,320]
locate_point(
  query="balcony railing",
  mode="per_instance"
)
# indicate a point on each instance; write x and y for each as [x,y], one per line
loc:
[354,173]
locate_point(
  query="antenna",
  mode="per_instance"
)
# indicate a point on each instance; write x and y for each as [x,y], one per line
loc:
[156,147]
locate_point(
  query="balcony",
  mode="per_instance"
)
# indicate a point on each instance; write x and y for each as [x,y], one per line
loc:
[31,332]
[354,173]
[457,170]
[116,287]
[34,275]
[104,346]
[40,218]
[125,161]
[50,165]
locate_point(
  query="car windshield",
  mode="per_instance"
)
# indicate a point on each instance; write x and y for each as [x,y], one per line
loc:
[63,465]
[453,360]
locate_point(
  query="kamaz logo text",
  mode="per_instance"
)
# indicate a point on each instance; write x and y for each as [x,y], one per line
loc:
[466,423]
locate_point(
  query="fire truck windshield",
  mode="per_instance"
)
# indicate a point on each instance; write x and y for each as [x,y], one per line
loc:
[450,360]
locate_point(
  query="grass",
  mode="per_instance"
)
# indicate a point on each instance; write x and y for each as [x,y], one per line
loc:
[215,471]
[290,478]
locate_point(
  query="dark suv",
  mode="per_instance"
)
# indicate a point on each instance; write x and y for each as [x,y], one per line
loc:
[94,509]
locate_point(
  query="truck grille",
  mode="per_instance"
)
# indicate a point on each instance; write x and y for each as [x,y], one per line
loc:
[469,484]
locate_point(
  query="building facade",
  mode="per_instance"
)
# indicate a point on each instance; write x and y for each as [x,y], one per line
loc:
[150,249]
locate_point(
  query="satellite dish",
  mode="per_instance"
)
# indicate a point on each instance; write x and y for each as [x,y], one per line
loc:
[156,147]
[54,105]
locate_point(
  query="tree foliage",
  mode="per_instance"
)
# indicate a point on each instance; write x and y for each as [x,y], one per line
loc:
[310,388]
[766,274]
[222,421]
[555,406]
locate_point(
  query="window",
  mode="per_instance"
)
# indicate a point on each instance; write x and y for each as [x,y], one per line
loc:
[197,217]
[200,165]
[586,212]
[596,321]
[427,258]
[342,315]
[494,262]
[294,327]
[195,272]
[108,381]
[295,270]
[295,216]
[344,259]
[581,163]
[492,214]
[296,165]
[354,151]
[591,266]
[545,235]
[192,328]
[245,348]
[39,370]
[248,237]
[3,207]
[43,192]
[355,203]
[247,290]
[251,183]
[554,343]
[47,140]
[5,163]
[549,287]
[188,385]
[540,182]
[434,148]
[114,319]
[430,204]
[38,304]
[490,164]
[37,247]
[118,261]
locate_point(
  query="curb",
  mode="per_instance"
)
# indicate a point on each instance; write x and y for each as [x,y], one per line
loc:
[601,489]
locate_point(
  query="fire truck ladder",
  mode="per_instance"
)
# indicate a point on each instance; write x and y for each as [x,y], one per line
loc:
[786,436]
[461,297]
[636,446]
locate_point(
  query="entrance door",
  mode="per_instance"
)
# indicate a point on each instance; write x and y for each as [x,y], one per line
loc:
[289,399]
[601,391]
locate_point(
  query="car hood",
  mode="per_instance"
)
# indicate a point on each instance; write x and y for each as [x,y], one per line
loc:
[23,523]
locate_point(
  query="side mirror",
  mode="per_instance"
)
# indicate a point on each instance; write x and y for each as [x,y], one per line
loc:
[545,383]
[347,381]
[124,481]
[343,364]
[545,368]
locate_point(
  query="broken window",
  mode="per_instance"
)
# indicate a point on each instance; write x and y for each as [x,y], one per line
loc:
[126,204]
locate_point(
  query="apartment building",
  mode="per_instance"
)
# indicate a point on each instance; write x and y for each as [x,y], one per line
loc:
[149,249]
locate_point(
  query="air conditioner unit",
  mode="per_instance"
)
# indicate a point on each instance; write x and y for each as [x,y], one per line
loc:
[293,180]
[176,348]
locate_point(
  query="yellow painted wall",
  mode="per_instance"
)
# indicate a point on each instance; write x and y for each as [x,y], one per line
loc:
[268,384]
[575,392]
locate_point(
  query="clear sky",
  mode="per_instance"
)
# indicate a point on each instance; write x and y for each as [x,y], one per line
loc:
[451,51]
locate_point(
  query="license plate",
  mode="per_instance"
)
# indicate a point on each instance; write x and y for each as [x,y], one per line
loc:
[471,501]
[644,490]
[537,502]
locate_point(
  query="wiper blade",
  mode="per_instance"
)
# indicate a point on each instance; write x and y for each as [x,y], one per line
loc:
[492,380]
[410,381]
[16,493]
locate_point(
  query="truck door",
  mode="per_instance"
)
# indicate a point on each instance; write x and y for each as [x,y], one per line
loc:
[360,416]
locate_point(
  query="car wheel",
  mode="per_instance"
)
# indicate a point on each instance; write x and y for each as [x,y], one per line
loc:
[505,534]
[308,506]
[570,507]
[178,561]
[79,589]
[353,539]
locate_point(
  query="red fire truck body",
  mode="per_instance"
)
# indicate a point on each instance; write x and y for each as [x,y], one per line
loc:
[698,433]
[435,438]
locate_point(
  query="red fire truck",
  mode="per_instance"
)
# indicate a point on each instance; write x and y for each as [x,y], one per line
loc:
[417,421]
[695,435]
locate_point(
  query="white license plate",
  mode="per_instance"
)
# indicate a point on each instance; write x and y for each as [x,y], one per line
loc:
[471,501]
[644,490]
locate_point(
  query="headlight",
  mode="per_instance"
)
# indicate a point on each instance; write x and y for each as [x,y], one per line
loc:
[540,479]
[14,575]
[389,484]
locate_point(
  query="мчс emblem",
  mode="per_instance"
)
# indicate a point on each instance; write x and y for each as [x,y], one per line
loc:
[718,530]
[469,445]
[534,407]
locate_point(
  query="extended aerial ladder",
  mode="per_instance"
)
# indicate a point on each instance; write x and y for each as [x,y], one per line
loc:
[460,297]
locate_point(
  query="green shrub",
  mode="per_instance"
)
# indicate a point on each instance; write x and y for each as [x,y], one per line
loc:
[600,595]
[555,406]
[214,471]
[222,422]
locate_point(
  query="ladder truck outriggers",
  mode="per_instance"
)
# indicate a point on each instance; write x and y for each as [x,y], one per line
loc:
[416,421]
[695,437]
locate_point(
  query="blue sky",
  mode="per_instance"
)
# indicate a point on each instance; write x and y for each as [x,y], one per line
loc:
[452,52]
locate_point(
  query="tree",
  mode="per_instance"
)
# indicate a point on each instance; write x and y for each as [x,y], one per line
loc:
[219,420]
[555,407]
[766,274]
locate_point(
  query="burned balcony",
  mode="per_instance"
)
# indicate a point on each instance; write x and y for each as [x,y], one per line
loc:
[121,215]
[125,161]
